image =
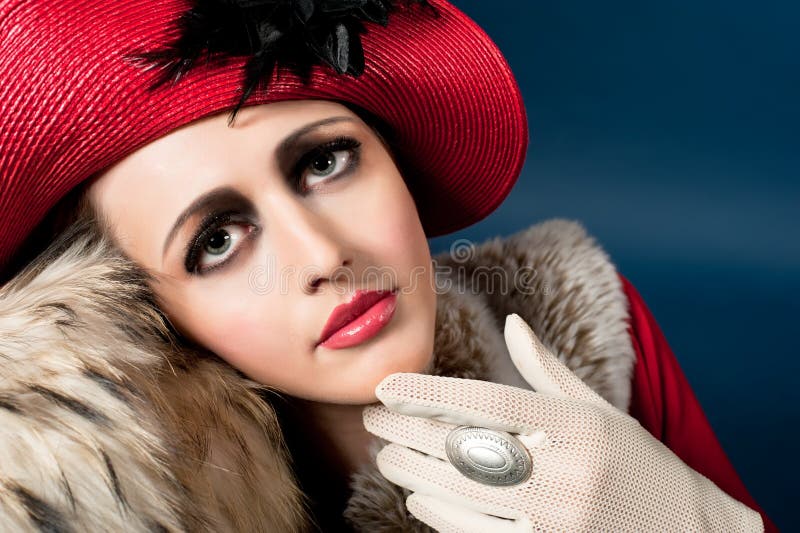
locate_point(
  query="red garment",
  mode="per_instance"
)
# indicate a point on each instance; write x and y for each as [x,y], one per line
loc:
[664,403]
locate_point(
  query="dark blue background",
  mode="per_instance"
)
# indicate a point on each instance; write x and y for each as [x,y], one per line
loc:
[671,130]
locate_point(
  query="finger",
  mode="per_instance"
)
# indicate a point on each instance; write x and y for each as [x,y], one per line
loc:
[428,475]
[466,402]
[422,434]
[541,368]
[446,517]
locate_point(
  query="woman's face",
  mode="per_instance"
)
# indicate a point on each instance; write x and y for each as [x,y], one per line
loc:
[256,233]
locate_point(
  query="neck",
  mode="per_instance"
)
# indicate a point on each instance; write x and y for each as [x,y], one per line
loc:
[339,430]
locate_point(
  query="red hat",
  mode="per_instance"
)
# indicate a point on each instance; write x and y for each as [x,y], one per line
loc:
[73,103]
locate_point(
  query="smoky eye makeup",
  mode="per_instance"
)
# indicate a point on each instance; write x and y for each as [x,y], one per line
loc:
[321,161]
[230,210]
[226,219]
[311,144]
[212,233]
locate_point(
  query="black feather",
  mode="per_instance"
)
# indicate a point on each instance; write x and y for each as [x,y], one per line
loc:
[297,34]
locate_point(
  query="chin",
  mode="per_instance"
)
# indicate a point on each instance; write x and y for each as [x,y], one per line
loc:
[361,390]
[406,346]
[420,365]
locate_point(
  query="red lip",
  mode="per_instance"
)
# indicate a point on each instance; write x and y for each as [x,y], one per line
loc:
[345,313]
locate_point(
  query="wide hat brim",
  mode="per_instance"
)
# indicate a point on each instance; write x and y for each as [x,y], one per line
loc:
[73,105]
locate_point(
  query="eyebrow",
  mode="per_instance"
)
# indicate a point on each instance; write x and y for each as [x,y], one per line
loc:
[201,203]
[293,137]
[227,194]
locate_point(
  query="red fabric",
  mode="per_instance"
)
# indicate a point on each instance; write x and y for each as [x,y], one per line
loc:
[71,104]
[664,403]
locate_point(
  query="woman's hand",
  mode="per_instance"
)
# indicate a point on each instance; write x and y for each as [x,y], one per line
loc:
[594,467]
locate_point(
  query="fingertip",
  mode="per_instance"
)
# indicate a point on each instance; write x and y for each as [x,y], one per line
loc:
[370,415]
[388,383]
[513,320]
[388,459]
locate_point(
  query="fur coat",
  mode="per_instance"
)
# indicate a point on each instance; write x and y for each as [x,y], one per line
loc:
[108,424]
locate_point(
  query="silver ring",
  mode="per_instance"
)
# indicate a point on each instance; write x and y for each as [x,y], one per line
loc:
[487,456]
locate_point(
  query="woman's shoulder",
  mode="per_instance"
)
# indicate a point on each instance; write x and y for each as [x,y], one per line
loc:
[560,280]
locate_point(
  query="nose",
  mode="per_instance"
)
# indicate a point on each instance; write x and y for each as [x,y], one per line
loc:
[307,242]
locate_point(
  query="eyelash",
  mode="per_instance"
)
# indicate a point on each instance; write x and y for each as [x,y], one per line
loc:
[208,226]
[338,144]
[217,220]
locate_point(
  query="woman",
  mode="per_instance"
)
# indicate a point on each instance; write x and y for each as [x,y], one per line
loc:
[267,173]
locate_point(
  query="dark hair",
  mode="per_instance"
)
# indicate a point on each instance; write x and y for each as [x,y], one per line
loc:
[72,208]
[381,128]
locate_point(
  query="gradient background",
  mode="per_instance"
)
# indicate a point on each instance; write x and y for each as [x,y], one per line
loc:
[671,131]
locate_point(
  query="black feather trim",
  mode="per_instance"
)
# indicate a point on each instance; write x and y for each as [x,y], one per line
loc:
[294,33]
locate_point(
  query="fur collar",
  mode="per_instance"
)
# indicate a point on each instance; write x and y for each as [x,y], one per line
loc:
[563,284]
[106,425]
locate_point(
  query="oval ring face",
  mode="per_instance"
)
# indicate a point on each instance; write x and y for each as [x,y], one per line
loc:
[487,456]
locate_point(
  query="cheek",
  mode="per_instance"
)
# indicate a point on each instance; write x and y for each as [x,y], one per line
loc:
[244,328]
[390,226]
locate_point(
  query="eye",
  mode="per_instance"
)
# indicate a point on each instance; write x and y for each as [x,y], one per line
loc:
[326,165]
[326,162]
[217,244]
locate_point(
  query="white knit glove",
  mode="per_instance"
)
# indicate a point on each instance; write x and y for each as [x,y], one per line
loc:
[595,468]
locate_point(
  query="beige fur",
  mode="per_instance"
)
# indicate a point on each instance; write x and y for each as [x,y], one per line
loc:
[107,425]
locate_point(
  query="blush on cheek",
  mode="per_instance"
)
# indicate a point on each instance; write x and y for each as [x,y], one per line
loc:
[406,229]
[395,231]
[244,340]
[405,235]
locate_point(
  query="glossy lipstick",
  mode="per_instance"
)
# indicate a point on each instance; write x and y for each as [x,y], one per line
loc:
[359,319]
